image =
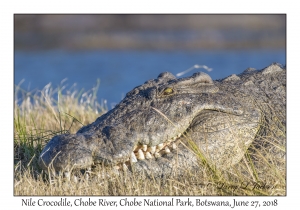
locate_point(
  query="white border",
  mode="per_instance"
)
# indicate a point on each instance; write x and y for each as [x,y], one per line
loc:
[8,8]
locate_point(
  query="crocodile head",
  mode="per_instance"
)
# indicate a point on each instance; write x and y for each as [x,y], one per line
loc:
[150,120]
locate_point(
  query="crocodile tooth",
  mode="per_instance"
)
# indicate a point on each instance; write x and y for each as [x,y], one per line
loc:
[134,148]
[152,149]
[157,155]
[148,155]
[144,147]
[140,155]
[133,158]
[174,146]
[179,135]
[160,146]
[124,167]
[167,150]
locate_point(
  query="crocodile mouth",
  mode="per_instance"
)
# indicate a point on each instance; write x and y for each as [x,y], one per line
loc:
[216,137]
[144,152]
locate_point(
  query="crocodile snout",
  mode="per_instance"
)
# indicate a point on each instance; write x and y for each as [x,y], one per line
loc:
[65,152]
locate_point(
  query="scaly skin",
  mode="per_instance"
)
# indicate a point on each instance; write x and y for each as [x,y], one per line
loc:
[221,117]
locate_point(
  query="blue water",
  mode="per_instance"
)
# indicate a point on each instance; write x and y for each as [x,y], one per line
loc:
[120,71]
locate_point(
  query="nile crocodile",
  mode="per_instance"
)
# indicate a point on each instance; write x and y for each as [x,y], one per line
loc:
[152,127]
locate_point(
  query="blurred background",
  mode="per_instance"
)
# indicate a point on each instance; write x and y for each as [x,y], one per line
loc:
[123,51]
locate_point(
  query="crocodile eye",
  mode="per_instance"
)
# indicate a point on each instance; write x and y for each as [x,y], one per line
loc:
[168,91]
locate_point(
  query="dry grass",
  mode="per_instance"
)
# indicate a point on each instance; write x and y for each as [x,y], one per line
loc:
[46,113]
